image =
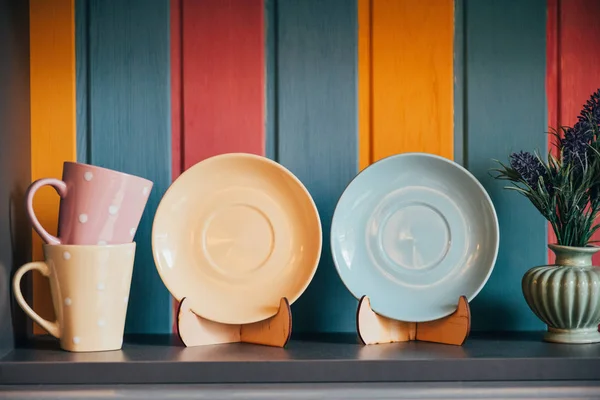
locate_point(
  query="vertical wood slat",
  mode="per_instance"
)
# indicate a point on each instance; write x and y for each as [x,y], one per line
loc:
[365,84]
[223,72]
[405,78]
[505,98]
[127,97]
[460,77]
[218,73]
[81,68]
[552,87]
[316,132]
[271,144]
[176,88]
[573,71]
[176,106]
[53,132]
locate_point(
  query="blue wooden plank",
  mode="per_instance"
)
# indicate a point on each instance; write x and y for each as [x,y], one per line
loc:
[506,111]
[81,79]
[459,82]
[317,132]
[126,94]
[271,79]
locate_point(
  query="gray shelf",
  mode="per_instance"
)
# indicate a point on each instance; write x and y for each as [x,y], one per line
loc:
[334,358]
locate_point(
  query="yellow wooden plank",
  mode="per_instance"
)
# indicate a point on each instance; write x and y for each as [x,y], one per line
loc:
[53,133]
[405,78]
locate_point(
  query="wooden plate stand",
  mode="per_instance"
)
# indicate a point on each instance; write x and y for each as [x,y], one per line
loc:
[376,329]
[197,331]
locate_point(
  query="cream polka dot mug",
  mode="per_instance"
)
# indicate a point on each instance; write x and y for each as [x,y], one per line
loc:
[90,291]
[98,206]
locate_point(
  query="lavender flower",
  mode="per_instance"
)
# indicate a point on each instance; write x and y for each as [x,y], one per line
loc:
[591,109]
[575,144]
[565,190]
[528,166]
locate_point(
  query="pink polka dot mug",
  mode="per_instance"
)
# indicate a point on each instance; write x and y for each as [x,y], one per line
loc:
[98,206]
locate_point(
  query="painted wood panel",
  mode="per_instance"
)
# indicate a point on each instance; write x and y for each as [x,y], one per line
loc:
[573,71]
[459,82]
[223,75]
[81,70]
[271,79]
[217,80]
[126,92]
[406,78]
[505,61]
[176,43]
[53,136]
[15,166]
[176,107]
[316,132]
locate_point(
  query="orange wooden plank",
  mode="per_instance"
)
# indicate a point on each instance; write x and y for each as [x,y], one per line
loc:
[52,80]
[365,156]
[405,78]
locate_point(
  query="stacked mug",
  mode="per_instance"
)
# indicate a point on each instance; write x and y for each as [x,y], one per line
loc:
[90,262]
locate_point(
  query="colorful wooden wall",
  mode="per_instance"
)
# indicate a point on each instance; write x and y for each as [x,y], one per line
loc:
[324,88]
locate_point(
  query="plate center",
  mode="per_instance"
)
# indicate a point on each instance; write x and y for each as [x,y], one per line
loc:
[416,237]
[238,239]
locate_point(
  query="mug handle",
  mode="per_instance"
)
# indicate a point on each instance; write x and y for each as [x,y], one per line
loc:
[61,189]
[51,327]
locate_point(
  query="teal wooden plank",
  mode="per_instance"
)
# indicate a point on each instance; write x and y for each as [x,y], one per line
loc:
[271,79]
[81,80]
[459,81]
[316,132]
[126,100]
[506,111]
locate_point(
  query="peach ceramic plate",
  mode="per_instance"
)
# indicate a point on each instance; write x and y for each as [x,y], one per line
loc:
[235,233]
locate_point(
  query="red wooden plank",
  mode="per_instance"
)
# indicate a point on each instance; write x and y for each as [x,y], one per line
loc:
[223,83]
[217,80]
[573,54]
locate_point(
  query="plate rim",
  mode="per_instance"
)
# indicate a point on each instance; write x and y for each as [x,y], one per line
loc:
[452,164]
[291,176]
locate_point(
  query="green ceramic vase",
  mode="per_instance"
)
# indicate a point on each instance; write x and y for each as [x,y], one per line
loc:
[566,295]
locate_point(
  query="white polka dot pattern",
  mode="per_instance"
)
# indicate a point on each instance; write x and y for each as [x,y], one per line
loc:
[88,176]
[83,218]
[67,255]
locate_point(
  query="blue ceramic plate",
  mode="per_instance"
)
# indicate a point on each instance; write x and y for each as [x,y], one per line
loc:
[414,232]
